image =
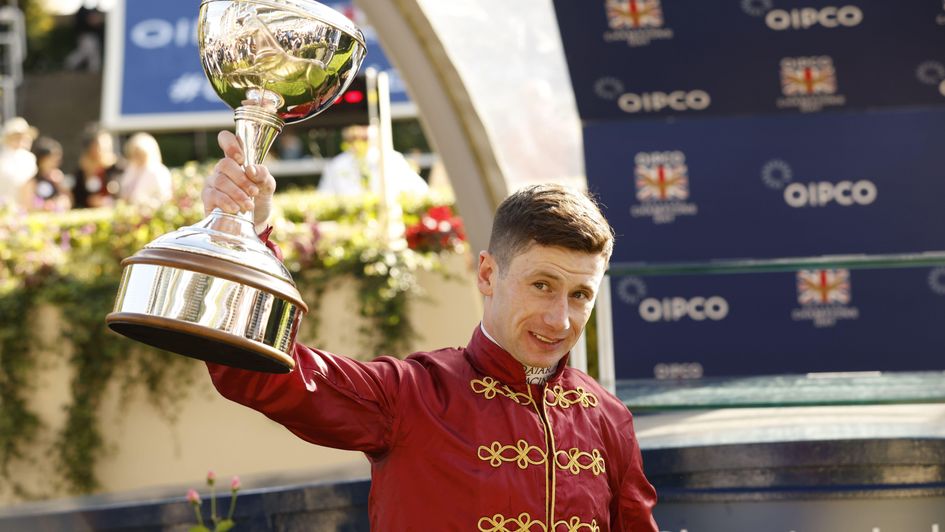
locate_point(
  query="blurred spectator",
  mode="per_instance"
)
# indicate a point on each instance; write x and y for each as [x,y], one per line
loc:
[355,171]
[90,33]
[145,181]
[289,146]
[47,190]
[96,179]
[17,162]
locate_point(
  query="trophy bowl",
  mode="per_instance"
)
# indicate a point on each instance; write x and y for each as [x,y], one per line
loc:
[213,290]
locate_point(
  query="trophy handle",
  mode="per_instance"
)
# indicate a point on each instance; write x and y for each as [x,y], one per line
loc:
[257,126]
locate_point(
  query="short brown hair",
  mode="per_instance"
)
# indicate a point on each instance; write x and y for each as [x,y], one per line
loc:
[549,215]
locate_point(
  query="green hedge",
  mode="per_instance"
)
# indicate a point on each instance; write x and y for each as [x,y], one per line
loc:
[72,260]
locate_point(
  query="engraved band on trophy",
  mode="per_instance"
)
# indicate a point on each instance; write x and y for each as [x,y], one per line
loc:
[213,290]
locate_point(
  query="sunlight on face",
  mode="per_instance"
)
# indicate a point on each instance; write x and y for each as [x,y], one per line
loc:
[537,307]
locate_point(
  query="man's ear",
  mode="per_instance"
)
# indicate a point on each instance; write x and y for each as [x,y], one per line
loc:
[487,272]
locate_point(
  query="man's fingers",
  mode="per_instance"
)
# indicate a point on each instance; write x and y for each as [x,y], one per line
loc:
[233,193]
[227,169]
[263,179]
[213,198]
[231,146]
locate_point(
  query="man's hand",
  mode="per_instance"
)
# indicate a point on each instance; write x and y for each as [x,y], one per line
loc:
[232,190]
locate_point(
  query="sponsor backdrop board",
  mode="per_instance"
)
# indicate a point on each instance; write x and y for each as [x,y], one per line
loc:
[770,186]
[766,129]
[646,58]
[690,326]
[154,78]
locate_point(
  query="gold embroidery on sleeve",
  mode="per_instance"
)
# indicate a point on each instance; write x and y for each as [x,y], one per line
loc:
[568,398]
[576,460]
[520,453]
[489,387]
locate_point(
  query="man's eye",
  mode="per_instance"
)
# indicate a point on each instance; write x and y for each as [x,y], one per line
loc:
[540,285]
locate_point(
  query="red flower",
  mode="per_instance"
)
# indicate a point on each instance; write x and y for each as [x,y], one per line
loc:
[436,230]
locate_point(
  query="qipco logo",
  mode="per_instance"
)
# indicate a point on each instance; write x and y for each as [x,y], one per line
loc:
[654,102]
[808,17]
[713,308]
[844,193]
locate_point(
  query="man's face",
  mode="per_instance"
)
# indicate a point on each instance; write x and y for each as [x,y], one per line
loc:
[538,305]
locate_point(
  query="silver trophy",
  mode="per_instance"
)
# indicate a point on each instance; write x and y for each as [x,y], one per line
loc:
[213,290]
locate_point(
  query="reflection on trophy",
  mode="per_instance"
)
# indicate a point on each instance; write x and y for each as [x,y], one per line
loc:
[213,290]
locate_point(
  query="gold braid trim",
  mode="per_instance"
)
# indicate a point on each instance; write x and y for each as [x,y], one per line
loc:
[575,525]
[555,396]
[568,398]
[576,460]
[524,523]
[489,387]
[500,523]
[524,455]
[521,453]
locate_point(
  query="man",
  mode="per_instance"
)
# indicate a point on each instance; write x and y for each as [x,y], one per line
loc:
[499,436]
[355,171]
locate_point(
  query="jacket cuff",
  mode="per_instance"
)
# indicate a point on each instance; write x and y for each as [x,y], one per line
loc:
[264,236]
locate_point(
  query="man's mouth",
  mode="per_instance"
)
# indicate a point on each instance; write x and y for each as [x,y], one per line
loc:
[545,339]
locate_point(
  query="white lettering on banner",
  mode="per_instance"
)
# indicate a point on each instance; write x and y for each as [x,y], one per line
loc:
[660,157]
[652,102]
[678,370]
[844,193]
[714,308]
[663,213]
[807,17]
[158,33]
[189,86]
[825,315]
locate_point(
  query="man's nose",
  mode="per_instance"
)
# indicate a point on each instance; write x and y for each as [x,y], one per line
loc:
[556,314]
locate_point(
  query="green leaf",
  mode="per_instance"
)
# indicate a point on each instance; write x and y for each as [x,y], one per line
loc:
[224,525]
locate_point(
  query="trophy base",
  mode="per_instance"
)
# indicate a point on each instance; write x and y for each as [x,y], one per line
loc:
[200,342]
[208,308]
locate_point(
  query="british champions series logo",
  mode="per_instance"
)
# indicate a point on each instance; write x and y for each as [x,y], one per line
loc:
[824,296]
[809,84]
[637,22]
[662,184]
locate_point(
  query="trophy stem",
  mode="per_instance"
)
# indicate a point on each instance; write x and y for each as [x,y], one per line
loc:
[257,128]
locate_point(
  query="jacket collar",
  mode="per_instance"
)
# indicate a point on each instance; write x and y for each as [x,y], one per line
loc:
[488,358]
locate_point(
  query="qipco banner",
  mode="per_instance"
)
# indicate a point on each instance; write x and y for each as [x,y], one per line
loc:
[672,327]
[153,75]
[771,187]
[650,58]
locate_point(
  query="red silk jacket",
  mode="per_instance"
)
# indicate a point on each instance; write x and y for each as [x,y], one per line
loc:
[459,441]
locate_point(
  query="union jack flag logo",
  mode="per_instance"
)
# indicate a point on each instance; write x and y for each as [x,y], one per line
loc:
[662,182]
[634,14]
[822,287]
[807,78]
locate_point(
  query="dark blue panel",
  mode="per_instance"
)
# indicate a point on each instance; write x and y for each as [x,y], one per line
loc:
[869,53]
[779,323]
[744,186]
[161,70]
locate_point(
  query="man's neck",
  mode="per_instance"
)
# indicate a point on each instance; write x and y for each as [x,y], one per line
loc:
[533,375]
